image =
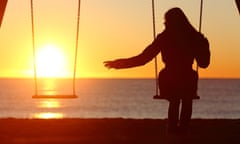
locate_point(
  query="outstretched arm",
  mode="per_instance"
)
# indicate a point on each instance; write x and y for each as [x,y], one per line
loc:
[125,63]
[118,64]
[147,55]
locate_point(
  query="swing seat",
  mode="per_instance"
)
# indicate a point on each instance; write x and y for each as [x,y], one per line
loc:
[54,96]
[159,97]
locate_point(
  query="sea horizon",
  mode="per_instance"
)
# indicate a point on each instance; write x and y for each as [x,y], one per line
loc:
[201,78]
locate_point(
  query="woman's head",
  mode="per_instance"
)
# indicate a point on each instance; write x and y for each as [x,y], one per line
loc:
[175,19]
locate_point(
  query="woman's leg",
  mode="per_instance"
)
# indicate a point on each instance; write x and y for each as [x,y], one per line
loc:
[173,115]
[186,114]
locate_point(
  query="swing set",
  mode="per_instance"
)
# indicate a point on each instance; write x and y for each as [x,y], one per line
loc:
[73,95]
[3,4]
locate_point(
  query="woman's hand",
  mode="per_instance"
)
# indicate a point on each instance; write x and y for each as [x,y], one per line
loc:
[116,64]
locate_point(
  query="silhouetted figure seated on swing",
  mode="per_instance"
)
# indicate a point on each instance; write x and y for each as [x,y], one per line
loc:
[179,45]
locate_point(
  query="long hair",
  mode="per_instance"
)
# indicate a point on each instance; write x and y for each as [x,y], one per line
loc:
[177,22]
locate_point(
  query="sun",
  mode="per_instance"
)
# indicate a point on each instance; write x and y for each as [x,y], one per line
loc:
[51,62]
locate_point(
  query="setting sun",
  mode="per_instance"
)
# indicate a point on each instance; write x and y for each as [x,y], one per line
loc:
[51,62]
[107,31]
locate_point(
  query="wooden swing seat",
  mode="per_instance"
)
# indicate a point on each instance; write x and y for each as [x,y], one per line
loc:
[54,96]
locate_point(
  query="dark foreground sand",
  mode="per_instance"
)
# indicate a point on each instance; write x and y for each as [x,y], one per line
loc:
[115,131]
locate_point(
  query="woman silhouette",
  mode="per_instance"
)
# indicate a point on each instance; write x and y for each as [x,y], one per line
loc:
[179,45]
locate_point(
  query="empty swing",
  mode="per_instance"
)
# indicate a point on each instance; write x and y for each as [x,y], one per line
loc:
[157,95]
[36,94]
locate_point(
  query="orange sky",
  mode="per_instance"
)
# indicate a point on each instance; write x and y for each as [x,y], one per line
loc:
[110,29]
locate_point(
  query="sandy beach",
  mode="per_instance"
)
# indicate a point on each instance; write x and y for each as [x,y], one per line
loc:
[115,131]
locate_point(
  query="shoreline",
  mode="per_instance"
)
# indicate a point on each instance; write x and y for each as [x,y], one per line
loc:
[115,130]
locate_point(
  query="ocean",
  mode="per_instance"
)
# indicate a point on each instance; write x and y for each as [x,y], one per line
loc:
[112,98]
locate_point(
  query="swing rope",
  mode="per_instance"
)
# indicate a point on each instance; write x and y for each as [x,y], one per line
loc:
[34,57]
[76,48]
[200,25]
[155,59]
[34,50]
[157,96]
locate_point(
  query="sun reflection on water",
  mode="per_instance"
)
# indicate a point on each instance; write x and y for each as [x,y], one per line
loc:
[50,108]
[48,105]
[48,115]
